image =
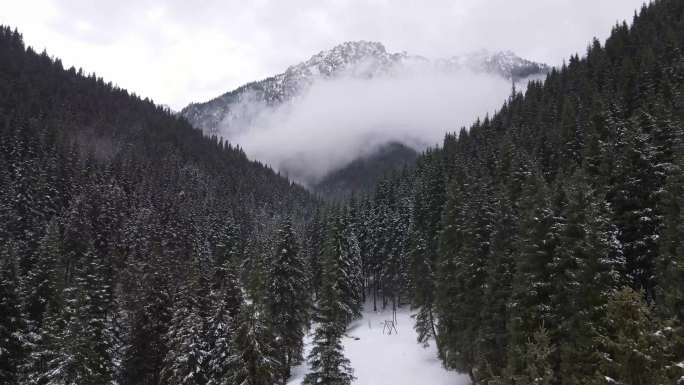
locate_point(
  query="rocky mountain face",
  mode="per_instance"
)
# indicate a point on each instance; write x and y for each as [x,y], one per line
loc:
[232,111]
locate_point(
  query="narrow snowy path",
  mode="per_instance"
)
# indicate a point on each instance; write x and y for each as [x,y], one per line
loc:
[382,359]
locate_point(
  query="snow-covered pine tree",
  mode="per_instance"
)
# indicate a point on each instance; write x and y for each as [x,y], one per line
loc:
[12,325]
[226,304]
[76,343]
[186,361]
[537,355]
[350,262]
[341,246]
[538,242]
[253,360]
[326,359]
[468,226]
[287,299]
[671,245]
[145,346]
[585,272]
[634,350]
[316,238]
[394,270]
[428,202]
[632,195]
[39,285]
[227,245]
[492,340]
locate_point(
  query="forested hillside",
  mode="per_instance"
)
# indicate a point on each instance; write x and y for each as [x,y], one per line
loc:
[543,245]
[124,233]
[360,176]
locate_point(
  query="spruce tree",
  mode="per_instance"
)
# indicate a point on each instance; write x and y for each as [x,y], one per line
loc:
[76,341]
[227,301]
[326,359]
[428,203]
[12,326]
[468,224]
[186,361]
[253,360]
[634,350]
[287,299]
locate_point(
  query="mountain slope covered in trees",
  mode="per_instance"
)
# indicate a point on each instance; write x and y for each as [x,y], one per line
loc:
[127,236]
[361,175]
[543,244]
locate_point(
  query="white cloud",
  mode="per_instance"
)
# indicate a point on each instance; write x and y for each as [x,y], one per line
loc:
[335,121]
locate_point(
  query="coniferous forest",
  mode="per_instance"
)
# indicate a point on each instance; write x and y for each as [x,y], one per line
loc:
[542,245]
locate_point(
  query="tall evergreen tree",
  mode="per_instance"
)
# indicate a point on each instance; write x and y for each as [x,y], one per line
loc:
[326,359]
[287,299]
[12,326]
[253,359]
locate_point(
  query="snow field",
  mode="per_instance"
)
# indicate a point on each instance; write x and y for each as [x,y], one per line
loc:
[382,359]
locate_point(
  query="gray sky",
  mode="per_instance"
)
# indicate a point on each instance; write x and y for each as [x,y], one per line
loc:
[180,51]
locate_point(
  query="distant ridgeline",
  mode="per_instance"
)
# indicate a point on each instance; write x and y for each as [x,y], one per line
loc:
[545,245]
[360,176]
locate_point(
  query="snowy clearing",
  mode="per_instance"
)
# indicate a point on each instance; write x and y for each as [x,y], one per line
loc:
[395,359]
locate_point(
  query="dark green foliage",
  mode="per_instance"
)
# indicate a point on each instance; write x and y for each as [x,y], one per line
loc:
[361,175]
[326,359]
[107,203]
[253,360]
[12,326]
[634,348]
[227,302]
[287,299]
[341,251]
[541,213]
[186,361]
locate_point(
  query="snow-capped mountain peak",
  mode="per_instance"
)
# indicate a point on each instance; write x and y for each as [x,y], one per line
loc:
[357,59]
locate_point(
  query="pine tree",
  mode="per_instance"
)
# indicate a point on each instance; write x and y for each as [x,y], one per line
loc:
[287,299]
[76,342]
[253,360]
[146,345]
[186,361]
[633,351]
[326,359]
[538,243]
[492,341]
[12,326]
[424,234]
[537,360]
[227,302]
[465,247]
[633,199]
[341,246]
[585,272]
[39,284]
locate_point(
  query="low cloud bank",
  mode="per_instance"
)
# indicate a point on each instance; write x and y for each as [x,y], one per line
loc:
[336,121]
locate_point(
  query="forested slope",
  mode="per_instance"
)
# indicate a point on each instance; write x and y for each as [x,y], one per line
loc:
[124,233]
[543,245]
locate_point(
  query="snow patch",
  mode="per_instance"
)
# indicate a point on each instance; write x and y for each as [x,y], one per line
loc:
[396,359]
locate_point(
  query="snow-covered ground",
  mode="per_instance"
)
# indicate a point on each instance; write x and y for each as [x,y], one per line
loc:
[382,359]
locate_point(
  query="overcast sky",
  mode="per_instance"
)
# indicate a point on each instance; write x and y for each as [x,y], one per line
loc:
[179,51]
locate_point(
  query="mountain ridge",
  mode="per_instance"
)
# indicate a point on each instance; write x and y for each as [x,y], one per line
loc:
[358,59]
